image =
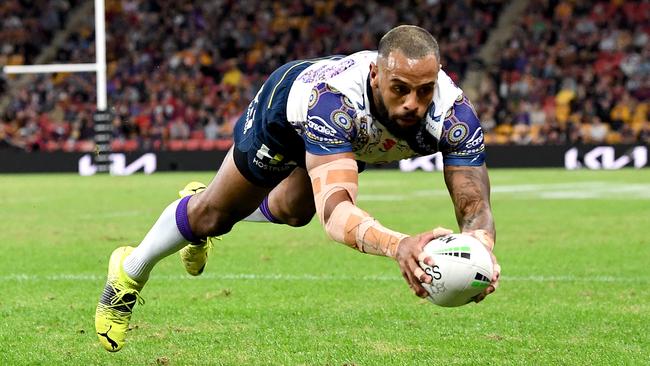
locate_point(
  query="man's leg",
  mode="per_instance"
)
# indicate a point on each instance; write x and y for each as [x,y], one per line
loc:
[291,202]
[228,199]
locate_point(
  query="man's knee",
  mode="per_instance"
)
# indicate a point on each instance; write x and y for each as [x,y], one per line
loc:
[298,221]
[208,220]
[296,210]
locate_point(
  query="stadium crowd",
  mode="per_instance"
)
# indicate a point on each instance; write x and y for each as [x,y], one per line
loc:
[573,72]
[181,72]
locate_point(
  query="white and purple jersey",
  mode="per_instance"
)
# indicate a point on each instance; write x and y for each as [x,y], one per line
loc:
[329,106]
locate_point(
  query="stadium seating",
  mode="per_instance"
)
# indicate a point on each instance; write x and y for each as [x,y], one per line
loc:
[567,62]
[202,64]
[573,63]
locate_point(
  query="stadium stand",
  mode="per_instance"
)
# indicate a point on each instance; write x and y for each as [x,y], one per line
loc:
[181,72]
[191,77]
[573,72]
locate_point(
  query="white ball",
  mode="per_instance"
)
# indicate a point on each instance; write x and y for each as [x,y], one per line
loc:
[462,269]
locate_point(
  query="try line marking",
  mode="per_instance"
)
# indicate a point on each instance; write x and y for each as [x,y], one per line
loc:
[24,277]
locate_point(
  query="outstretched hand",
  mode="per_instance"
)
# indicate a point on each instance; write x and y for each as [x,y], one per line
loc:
[487,240]
[409,251]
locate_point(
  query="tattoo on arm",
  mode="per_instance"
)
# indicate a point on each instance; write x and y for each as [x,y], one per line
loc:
[469,188]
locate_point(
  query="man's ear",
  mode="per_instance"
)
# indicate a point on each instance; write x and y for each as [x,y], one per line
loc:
[374,74]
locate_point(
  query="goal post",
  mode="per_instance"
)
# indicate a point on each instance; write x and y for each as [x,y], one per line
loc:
[102,118]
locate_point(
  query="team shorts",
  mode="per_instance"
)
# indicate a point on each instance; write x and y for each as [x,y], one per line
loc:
[267,147]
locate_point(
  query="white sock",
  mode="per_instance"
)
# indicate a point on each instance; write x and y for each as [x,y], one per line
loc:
[163,239]
[262,213]
[256,216]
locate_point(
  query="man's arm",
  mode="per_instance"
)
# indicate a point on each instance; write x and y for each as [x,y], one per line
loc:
[467,179]
[469,188]
[334,182]
[333,171]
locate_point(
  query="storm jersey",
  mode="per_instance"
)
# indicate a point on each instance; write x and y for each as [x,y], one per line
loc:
[328,105]
[324,107]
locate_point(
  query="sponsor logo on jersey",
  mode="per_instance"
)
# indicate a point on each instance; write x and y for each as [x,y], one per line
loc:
[267,160]
[475,140]
[265,153]
[272,168]
[317,124]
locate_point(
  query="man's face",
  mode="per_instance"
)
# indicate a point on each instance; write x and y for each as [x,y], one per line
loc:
[403,87]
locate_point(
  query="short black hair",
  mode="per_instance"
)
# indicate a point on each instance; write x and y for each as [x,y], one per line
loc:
[412,41]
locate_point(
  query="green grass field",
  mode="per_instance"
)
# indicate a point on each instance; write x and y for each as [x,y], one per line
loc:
[573,246]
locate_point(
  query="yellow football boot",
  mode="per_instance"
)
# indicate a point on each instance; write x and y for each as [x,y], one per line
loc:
[116,303]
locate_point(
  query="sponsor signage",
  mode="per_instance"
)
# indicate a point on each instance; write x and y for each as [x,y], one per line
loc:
[569,157]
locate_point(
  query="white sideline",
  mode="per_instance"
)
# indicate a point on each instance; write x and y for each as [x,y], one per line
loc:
[24,277]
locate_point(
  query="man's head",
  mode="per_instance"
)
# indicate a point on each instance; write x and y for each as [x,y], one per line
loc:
[404,76]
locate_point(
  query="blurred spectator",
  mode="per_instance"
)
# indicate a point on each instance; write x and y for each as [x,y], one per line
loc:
[179,130]
[597,131]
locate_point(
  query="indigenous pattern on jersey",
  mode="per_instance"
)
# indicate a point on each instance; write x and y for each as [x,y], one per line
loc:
[461,142]
[331,129]
[330,108]
[330,124]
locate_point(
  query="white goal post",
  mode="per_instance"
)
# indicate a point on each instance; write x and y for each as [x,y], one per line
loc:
[102,117]
[99,67]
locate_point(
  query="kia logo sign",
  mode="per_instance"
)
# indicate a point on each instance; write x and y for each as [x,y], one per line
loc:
[427,163]
[604,157]
[146,162]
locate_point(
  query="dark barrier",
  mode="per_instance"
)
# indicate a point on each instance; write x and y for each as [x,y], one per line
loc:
[570,157]
[12,161]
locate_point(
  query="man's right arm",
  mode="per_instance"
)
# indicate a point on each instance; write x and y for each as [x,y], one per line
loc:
[334,183]
[329,134]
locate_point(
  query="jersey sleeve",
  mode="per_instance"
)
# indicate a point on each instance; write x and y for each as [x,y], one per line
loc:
[461,142]
[330,122]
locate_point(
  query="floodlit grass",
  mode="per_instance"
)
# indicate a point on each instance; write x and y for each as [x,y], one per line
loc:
[573,245]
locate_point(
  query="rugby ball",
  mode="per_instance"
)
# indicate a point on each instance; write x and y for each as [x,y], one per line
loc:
[462,269]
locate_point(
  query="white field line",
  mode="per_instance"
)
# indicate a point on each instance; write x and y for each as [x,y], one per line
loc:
[129,213]
[24,277]
[575,190]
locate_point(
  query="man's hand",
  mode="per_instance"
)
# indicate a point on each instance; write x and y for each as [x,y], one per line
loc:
[409,252]
[487,240]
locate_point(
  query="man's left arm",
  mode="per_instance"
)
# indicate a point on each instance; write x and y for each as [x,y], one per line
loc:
[469,188]
[467,178]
